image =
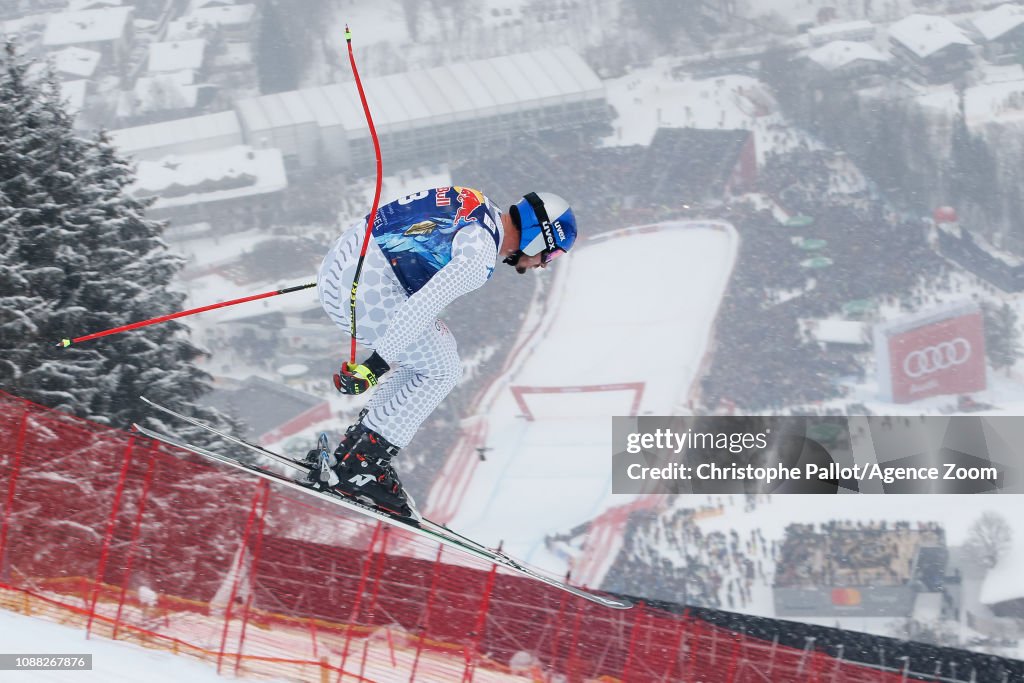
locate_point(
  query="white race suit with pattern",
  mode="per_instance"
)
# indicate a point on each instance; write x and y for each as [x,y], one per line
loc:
[426,249]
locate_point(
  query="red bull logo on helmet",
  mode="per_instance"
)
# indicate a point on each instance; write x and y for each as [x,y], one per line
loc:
[469,201]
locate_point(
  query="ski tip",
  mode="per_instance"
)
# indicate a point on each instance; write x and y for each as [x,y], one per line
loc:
[64,343]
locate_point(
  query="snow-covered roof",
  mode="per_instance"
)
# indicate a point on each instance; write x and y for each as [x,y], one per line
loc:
[14,27]
[164,92]
[230,173]
[192,25]
[839,53]
[199,4]
[275,111]
[262,404]
[943,311]
[73,93]
[845,29]
[222,126]
[86,26]
[837,331]
[76,61]
[999,21]
[226,15]
[233,54]
[924,35]
[418,99]
[184,28]
[77,5]
[177,55]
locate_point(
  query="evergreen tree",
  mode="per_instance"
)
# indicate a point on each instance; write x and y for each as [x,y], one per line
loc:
[1002,340]
[664,19]
[411,10]
[277,53]
[77,255]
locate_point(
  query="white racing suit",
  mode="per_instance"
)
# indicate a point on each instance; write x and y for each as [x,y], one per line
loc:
[426,250]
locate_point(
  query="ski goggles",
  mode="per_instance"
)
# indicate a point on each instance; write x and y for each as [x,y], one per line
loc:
[549,255]
[546,256]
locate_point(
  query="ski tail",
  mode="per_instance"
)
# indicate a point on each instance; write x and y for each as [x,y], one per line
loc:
[256,448]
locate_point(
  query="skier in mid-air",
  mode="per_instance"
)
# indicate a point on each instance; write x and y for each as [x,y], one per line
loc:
[427,249]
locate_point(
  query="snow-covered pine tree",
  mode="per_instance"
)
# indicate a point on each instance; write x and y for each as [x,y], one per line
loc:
[78,255]
[1002,339]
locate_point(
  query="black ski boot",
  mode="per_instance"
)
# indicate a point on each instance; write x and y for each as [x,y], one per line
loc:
[319,467]
[365,473]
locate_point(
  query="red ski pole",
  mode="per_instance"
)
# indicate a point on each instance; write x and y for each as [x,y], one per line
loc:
[376,197]
[64,343]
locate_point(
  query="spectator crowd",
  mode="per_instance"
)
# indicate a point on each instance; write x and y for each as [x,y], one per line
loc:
[760,359]
[844,553]
[666,555]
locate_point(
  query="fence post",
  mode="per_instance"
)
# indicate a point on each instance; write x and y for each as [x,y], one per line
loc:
[426,613]
[570,658]
[695,634]
[12,485]
[362,664]
[632,641]
[239,564]
[367,563]
[133,544]
[265,499]
[481,624]
[679,645]
[817,665]
[377,570]
[556,630]
[314,638]
[808,647]
[105,550]
[730,675]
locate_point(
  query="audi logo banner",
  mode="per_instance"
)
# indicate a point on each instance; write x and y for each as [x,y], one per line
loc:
[939,352]
[935,358]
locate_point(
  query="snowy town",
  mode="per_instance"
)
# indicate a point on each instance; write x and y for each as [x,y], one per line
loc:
[775,199]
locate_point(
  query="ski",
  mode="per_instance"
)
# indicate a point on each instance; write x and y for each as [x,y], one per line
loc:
[421,527]
[277,457]
[290,462]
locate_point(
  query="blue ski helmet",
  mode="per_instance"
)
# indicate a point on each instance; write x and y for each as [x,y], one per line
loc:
[546,225]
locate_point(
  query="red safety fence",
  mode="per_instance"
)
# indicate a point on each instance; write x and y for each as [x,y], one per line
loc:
[141,542]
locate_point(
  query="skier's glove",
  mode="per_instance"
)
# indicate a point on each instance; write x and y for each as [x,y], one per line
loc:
[355,378]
